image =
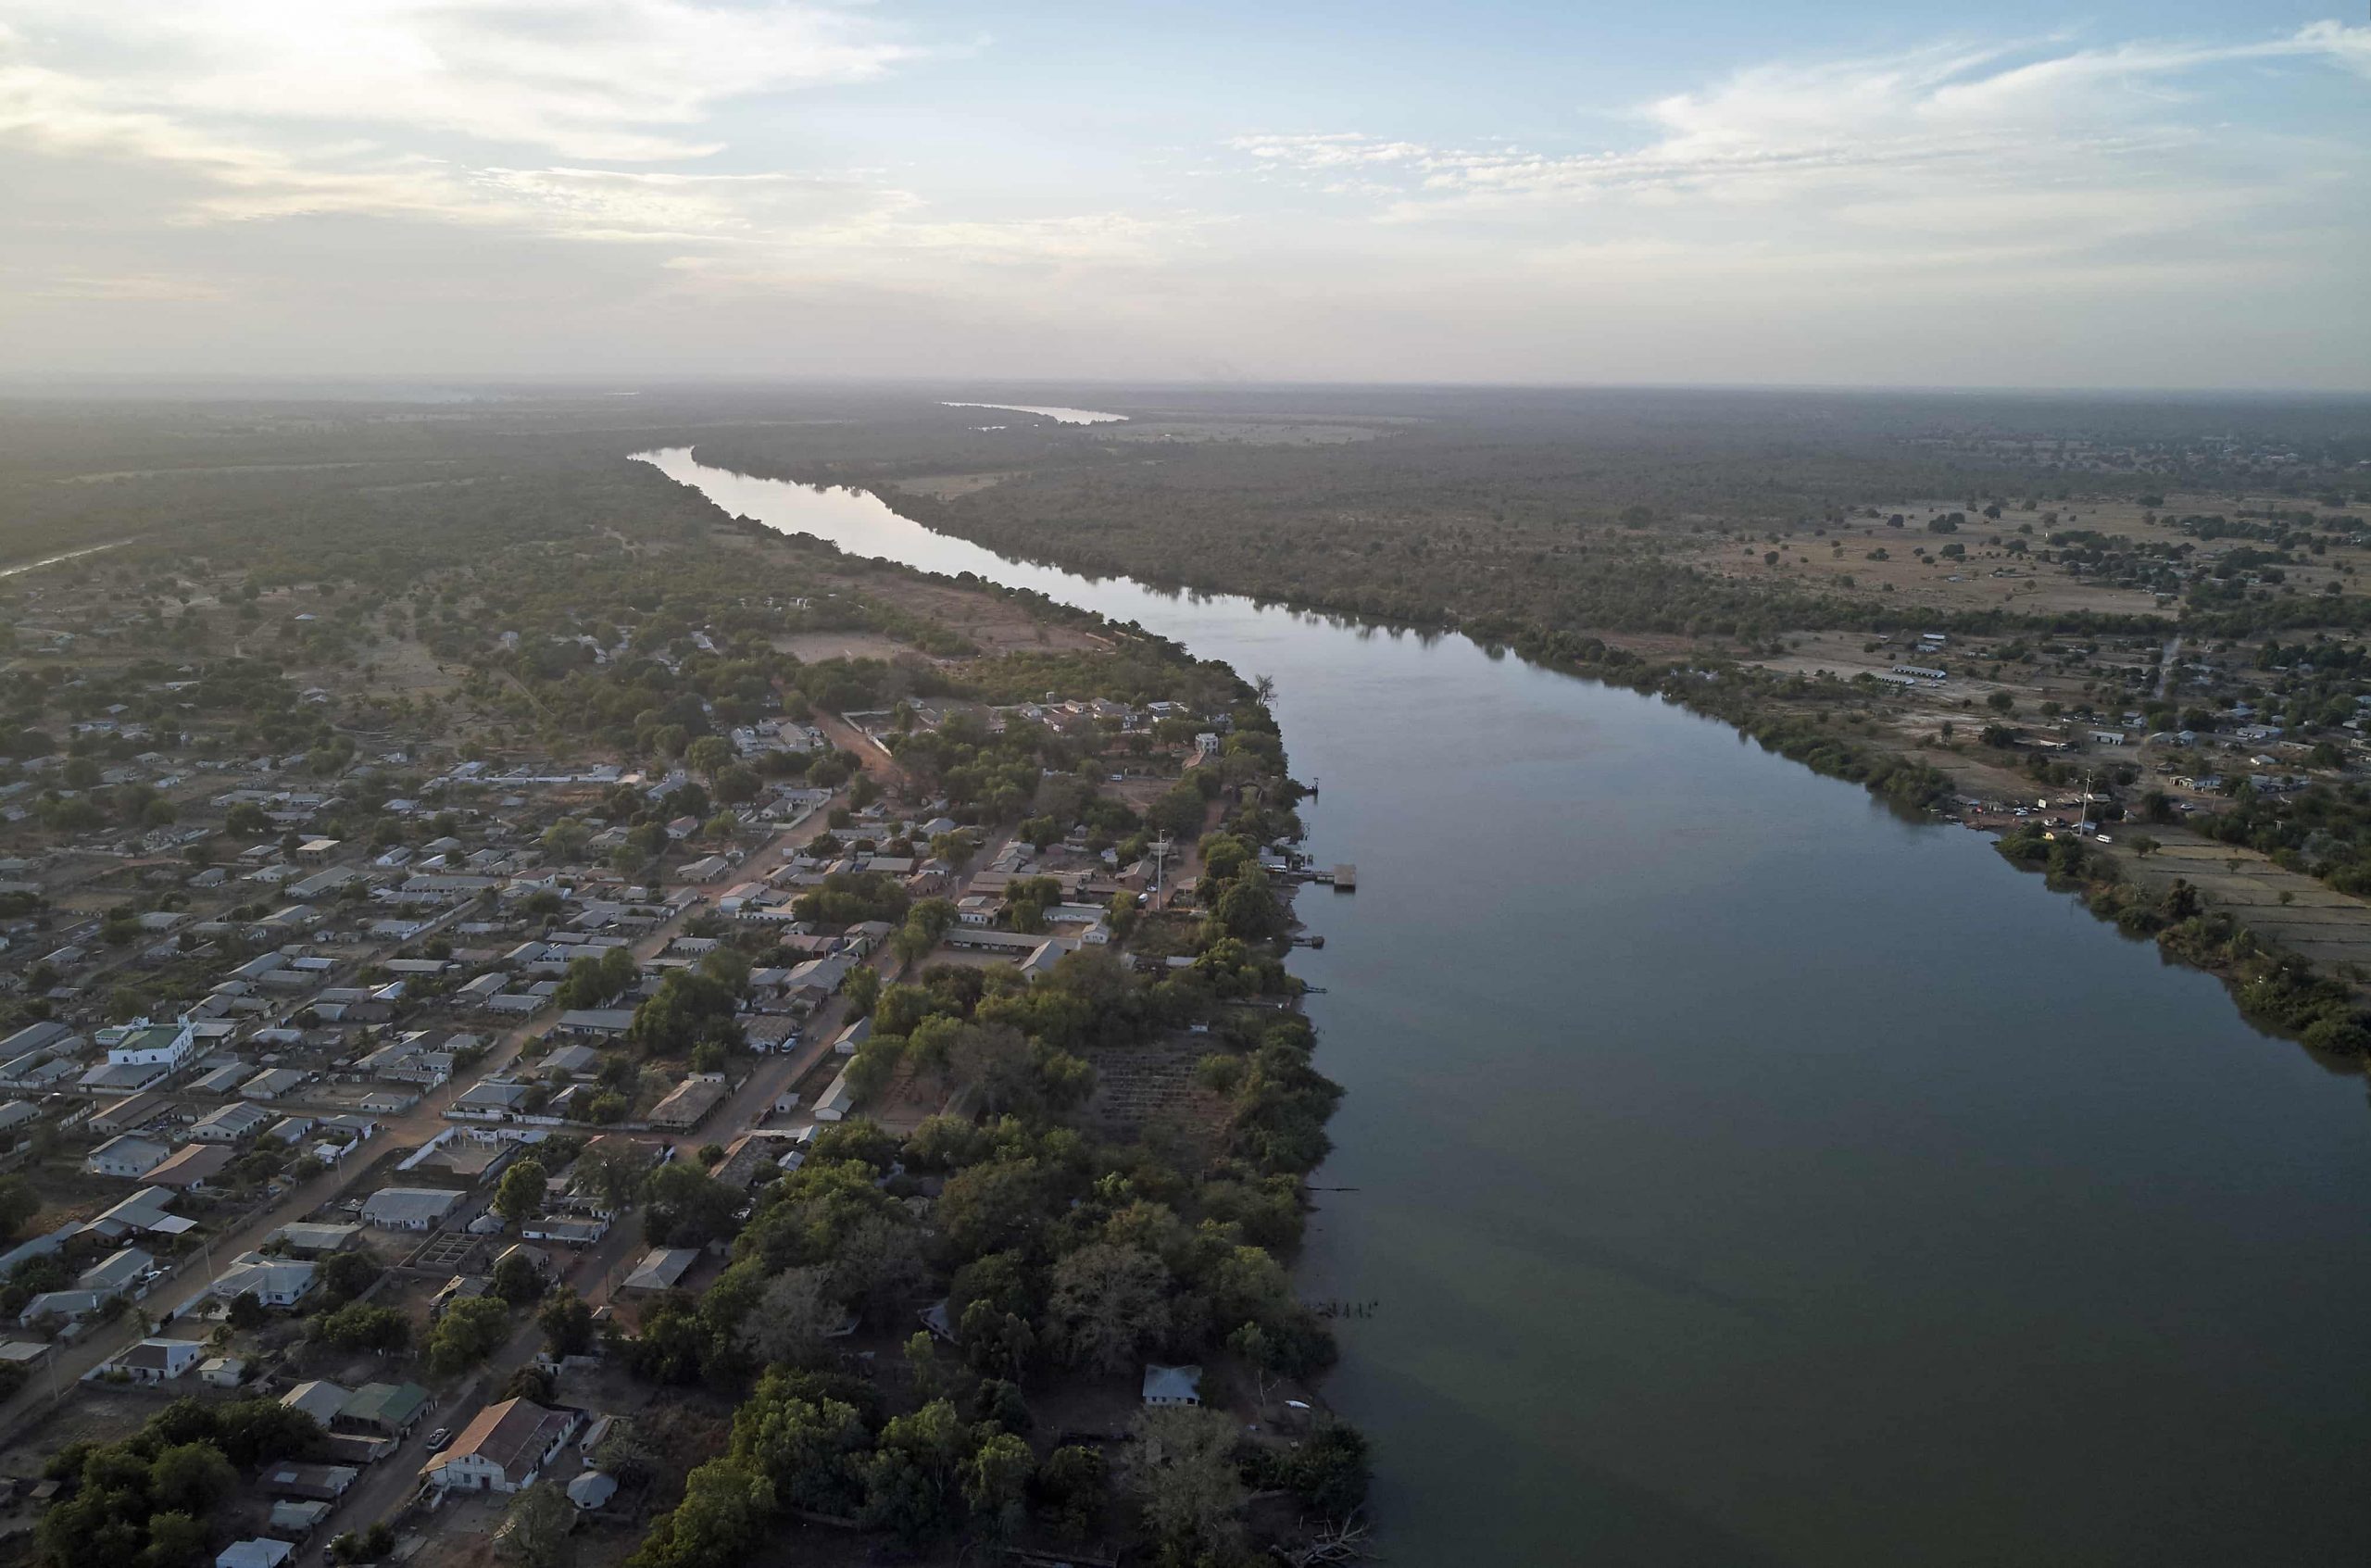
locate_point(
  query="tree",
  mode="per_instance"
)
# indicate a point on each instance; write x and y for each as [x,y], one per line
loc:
[720,1523]
[517,1279]
[709,755]
[567,1322]
[1108,1302]
[175,1541]
[877,1264]
[910,1480]
[1074,1483]
[358,1325]
[538,1527]
[470,1331]
[1182,1468]
[738,783]
[19,1204]
[805,1445]
[1330,1471]
[250,1432]
[687,1208]
[520,1194]
[191,1478]
[793,1317]
[689,1007]
[344,1275]
[1249,909]
[246,1312]
[994,1340]
[862,989]
[614,1172]
[995,1485]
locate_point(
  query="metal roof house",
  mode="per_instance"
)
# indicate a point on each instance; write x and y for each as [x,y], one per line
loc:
[662,1269]
[504,1449]
[125,1156]
[275,1282]
[408,1209]
[1166,1387]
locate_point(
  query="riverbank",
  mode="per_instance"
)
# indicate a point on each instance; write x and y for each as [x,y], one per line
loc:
[1839,728]
[1668,1067]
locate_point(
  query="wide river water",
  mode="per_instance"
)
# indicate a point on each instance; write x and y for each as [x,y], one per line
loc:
[1746,1175]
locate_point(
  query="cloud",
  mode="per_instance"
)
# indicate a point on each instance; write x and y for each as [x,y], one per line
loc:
[627,80]
[414,178]
[276,110]
[1982,114]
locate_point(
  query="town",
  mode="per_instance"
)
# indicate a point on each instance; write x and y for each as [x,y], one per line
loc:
[426,1113]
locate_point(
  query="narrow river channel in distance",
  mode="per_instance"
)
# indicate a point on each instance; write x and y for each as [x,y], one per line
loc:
[1745,1176]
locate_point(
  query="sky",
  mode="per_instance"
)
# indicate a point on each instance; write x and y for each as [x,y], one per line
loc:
[1733,192]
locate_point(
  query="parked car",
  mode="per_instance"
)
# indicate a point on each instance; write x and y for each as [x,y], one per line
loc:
[438,1438]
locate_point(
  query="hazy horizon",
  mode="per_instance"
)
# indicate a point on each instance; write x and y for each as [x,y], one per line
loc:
[2155,198]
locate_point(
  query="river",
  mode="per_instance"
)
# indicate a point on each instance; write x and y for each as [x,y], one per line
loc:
[1747,1175]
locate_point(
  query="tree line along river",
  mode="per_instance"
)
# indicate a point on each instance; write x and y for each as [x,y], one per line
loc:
[1746,1175]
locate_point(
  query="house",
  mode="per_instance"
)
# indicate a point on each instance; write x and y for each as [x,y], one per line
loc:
[127,1155]
[564,1230]
[297,1520]
[576,1062]
[17,1113]
[769,1034]
[662,1268]
[324,1483]
[688,1102]
[229,1123]
[118,1273]
[272,1082]
[143,1211]
[44,1246]
[420,1058]
[836,1100]
[855,1034]
[492,1100]
[122,1077]
[318,1400]
[64,1305]
[222,1371]
[157,1361]
[190,1166]
[604,1024]
[158,1044]
[38,1070]
[382,1409]
[45,1035]
[222,1080]
[504,1449]
[1166,1387]
[460,1287]
[306,1239]
[408,1209]
[592,1488]
[275,1282]
[259,1551]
